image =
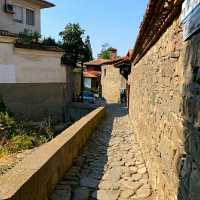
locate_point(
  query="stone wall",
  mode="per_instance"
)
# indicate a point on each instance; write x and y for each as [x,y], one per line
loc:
[190,171]
[156,110]
[112,81]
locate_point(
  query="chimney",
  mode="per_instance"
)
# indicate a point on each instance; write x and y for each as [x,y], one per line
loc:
[112,53]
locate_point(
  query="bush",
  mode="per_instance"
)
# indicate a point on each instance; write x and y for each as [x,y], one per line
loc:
[20,142]
[7,126]
[28,37]
[49,42]
[34,38]
[3,107]
[21,135]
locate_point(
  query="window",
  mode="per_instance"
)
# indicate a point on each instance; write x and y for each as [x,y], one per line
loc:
[105,72]
[30,17]
[87,82]
[18,16]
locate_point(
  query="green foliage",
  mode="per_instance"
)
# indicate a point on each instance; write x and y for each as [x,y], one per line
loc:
[16,136]
[28,37]
[88,49]
[49,42]
[3,107]
[7,125]
[20,135]
[75,49]
[20,142]
[105,55]
[105,51]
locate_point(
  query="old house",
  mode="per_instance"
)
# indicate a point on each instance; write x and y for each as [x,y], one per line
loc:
[164,97]
[17,15]
[112,80]
[33,83]
[92,75]
[103,76]
[124,67]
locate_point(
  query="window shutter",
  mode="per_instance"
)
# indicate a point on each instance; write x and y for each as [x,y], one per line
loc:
[18,16]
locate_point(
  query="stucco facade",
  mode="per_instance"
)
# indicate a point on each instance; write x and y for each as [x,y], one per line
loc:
[8,23]
[33,83]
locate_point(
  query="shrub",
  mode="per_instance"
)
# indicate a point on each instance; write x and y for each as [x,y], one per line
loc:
[7,125]
[20,142]
[3,107]
[21,135]
[49,42]
[28,37]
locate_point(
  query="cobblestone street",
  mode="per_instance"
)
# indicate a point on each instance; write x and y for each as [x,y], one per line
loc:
[110,167]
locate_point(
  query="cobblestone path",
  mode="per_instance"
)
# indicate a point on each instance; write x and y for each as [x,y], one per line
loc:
[111,166]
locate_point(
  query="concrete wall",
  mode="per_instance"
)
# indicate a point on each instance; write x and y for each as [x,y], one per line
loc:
[34,101]
[8,23]
[111,82]
[34,80]
[36,176]
[156,110]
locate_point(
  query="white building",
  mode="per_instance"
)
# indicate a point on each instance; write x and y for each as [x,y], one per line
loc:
[17,15]
[33,83]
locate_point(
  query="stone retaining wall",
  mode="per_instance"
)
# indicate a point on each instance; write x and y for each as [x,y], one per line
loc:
[36,176]
[156,110]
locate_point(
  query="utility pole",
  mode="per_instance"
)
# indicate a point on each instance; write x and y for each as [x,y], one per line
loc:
[82,81]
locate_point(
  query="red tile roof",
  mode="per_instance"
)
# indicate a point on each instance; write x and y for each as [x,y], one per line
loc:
[96,62]
[92,74]
[99,62]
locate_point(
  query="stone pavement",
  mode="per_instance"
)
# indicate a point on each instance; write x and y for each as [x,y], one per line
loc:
[110,167]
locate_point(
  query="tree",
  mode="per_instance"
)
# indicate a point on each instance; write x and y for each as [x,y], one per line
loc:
[49,42]
[75,49]
[105,51]
[88,49]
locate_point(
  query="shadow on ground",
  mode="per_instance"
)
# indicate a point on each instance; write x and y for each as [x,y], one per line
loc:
[81,181]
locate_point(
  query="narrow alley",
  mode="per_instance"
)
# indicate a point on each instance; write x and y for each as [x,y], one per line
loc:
[110,167]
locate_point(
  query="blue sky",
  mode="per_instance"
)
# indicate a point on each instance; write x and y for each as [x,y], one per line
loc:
[113,21]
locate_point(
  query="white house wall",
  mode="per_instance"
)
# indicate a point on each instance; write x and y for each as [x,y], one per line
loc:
[7,22]
[33,83]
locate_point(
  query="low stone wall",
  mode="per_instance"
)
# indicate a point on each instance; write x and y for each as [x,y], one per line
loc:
[36,176]
[156,110]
